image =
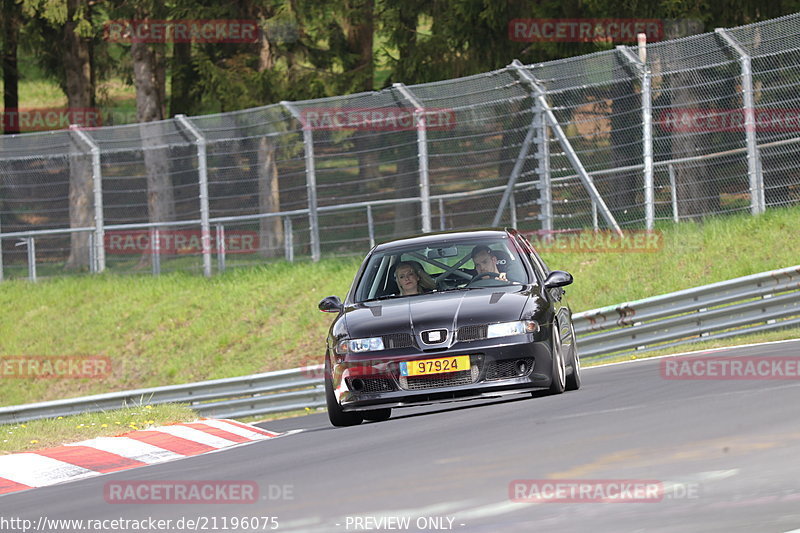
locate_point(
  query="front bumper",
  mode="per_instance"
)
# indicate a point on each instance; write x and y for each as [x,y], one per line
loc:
[497,367]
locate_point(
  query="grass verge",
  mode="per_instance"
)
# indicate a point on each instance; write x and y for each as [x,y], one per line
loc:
[49,432]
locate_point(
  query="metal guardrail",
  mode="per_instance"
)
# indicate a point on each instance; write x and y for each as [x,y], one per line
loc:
[750,304]
[257,394]
[760,302]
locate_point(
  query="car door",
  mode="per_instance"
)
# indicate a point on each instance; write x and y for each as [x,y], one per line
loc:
[556,295]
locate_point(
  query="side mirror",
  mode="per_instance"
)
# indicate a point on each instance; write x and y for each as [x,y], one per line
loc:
[331,304]
[557,278]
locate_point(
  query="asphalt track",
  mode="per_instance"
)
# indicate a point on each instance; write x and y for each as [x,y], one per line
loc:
[726,452]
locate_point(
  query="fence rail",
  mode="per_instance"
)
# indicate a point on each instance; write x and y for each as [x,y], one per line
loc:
[623,138]
[760,302]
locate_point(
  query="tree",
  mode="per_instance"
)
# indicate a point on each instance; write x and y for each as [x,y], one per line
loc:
[72,19]
[11,21]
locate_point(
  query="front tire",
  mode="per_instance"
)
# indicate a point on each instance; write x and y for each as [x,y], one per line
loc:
[559,371]
[574,379]
[336,415]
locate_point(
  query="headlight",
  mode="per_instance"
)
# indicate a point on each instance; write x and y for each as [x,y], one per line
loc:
[371,344]
[506,329]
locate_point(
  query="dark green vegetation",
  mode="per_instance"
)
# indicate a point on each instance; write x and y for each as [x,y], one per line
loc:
[306,49]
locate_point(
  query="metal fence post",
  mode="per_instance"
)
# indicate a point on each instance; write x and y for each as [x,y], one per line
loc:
[221,248]
[92,254]
[757,200]
[30,243]
[647,133]
[311,179]
[202,172]
[517,170]
[673,184]
[32,259]
[155,249]
[370,226]
[442,220]
[422,153]
[512,206]
[97,186]
[569,151]
[288,239]
[545,183]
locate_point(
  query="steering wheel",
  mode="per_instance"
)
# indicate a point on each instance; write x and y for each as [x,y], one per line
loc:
[482,275]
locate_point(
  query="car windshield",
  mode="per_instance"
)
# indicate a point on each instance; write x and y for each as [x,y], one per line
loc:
[442,266]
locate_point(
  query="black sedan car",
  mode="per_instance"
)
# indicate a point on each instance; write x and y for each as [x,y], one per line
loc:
[448,316]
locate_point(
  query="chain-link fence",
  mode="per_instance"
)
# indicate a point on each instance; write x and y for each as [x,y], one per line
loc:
[680,129]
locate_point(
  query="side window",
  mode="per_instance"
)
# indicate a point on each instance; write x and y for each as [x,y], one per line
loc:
[541,269]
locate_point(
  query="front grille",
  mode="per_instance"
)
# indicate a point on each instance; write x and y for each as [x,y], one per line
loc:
[472,333]
[507,368]
[397,340]
[372,384]
[450,379]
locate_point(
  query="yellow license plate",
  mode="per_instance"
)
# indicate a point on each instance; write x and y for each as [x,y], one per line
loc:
[458,363]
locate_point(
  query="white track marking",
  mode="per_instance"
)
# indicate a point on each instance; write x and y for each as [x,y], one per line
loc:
[39,471]
[130,448]
[196,435]
[236,430]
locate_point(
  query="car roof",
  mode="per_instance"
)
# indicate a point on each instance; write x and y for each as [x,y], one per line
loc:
[425,239]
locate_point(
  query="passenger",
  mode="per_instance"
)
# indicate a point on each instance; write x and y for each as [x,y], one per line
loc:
[412,279]
[486,262]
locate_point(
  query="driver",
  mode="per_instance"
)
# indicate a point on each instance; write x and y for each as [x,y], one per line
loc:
[486,262]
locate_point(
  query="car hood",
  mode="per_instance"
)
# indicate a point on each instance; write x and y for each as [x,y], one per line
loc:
[442,310]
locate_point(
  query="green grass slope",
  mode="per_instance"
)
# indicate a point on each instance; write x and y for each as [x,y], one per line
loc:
[180,328]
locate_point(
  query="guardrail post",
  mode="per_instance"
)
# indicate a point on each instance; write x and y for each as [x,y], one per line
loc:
[99,264]
[370,226]
[673,184]
[422,153]
[639,63]
[757,200]
[202,172]
[311,180]
[545,183]
[569,151]
[288,239]
[155,249]
[221,248]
